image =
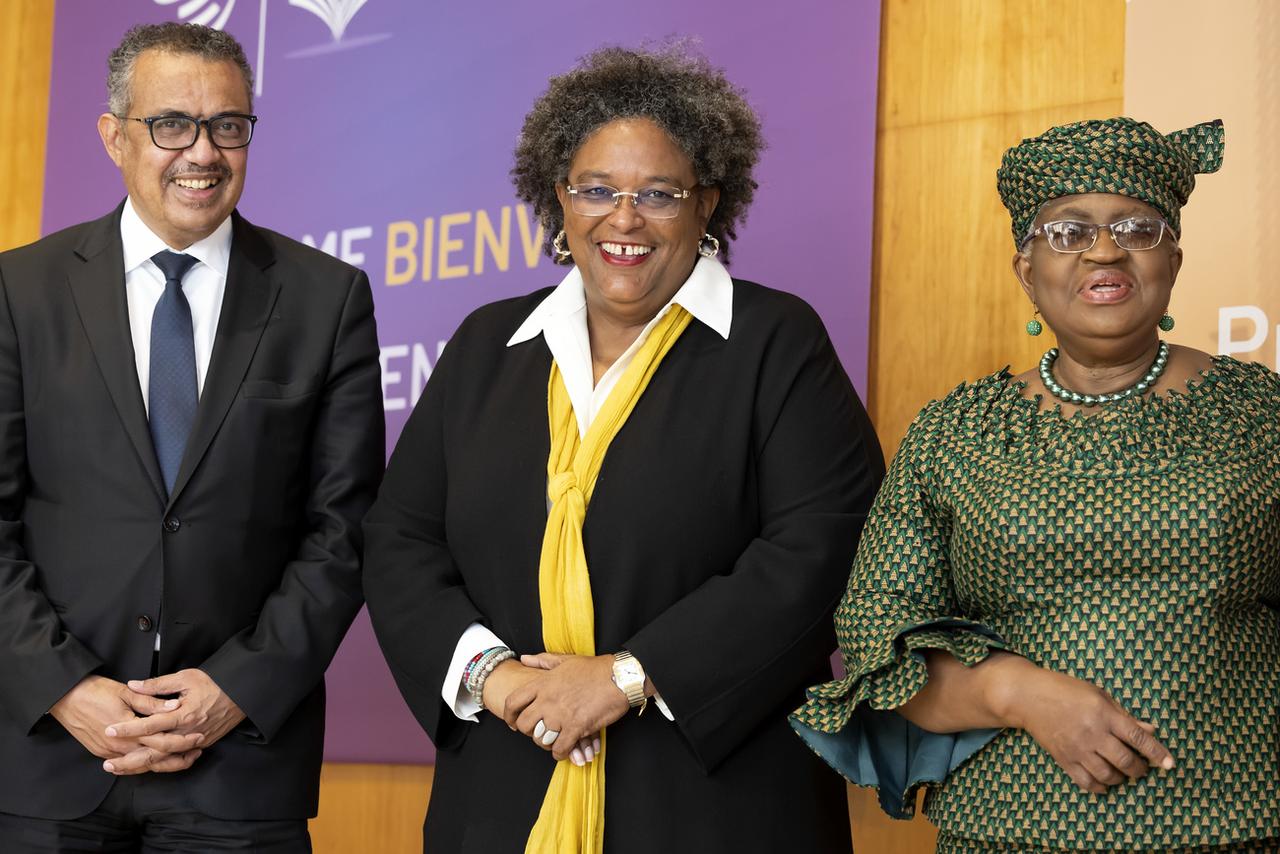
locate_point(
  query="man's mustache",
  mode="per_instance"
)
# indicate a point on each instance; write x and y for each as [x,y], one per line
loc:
[206,172]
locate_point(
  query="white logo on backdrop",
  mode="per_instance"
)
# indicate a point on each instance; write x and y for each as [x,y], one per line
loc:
[336,15]
[207,12]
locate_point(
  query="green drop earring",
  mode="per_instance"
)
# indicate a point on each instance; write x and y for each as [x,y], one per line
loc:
[1034,326]
[1166,322]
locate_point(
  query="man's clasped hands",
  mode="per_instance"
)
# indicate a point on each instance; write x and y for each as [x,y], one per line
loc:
[162,724]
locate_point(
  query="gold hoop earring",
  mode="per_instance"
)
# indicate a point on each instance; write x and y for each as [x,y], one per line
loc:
[708,246]
[562,255]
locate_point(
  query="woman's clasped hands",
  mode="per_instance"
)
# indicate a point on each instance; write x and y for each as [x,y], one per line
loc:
[573,697]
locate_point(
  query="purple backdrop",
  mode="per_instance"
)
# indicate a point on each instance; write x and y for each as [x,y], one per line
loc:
[388,141]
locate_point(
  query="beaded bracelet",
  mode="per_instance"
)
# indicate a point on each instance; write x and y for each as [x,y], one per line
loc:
[477,663]
[479,674]
[473,670]
[478,695]
[470,670]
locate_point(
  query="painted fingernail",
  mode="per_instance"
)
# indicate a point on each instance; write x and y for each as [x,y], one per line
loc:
[170,705]
[595,743]
[111,731]
[576,756]
[591,754]
[107,766]
[549,737]
[1167,764]
[135,684]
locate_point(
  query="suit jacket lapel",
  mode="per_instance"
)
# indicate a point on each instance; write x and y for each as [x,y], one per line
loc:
[97,287]
[246,306]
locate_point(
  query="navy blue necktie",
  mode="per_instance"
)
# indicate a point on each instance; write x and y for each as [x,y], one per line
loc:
[171,398]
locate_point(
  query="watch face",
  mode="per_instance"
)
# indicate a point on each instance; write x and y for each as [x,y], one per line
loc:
[629,671]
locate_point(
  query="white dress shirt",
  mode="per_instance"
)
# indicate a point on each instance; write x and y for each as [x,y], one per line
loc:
[561,319]
[204,284]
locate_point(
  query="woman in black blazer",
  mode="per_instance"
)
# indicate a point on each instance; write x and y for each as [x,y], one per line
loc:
[718,528]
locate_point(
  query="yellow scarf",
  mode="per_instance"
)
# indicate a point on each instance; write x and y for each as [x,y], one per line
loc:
[572,817]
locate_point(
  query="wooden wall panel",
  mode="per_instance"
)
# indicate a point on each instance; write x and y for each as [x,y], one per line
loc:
[26,61]
[960,81]
[372,808]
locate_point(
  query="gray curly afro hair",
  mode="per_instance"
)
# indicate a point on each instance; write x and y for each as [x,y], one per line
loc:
[704,114]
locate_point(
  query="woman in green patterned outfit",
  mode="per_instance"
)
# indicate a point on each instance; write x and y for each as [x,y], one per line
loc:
[1062,619]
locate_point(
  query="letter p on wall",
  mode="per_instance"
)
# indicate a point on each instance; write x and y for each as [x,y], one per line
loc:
[1255,319]
[1251,321]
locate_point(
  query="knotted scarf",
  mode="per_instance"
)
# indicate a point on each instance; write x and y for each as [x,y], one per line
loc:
[571,820]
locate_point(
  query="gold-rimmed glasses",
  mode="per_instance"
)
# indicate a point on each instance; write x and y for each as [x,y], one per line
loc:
[656,202]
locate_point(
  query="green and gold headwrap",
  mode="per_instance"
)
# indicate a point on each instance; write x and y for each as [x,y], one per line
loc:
[1120,155]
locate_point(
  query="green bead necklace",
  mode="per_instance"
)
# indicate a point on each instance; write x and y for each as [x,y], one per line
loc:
[1066,395]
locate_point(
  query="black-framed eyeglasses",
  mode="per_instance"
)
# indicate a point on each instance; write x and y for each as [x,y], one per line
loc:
[175,131]
[1133,234]
[600,199]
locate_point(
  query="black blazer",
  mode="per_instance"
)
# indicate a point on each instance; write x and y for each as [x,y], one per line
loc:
[251,568]
[719,538]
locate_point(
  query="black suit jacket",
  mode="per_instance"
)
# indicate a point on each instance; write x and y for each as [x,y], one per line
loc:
[719,539]
[250,569]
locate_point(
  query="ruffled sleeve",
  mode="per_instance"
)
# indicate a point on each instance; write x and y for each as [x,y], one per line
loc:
[899,602]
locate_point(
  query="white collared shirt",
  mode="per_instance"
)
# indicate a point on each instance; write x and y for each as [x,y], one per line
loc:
[561,319]
[203,285]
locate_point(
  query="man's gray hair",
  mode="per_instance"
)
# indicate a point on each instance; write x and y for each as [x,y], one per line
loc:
[194,39]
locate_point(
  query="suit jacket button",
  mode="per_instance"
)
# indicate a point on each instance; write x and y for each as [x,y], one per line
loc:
[144,623]
[172,524]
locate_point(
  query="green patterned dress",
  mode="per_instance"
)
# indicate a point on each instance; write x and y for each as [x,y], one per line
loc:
[1138,549]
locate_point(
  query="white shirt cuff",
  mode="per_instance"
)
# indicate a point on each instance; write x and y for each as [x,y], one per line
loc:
[475,640]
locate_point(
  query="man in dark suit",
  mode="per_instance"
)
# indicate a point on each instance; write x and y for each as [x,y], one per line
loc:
[190,432]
